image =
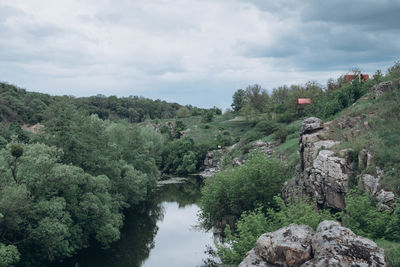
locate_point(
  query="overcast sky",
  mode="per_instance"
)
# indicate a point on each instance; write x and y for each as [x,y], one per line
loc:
[191,51]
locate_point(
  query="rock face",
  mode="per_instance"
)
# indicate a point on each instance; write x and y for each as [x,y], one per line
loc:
[212,163]
[330,245]
[265,147]
[382,88]
[290,245]
[320,174]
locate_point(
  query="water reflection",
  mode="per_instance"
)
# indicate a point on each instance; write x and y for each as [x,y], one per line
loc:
[158,233]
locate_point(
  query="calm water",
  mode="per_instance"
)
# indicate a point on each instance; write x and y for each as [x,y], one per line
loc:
[159,233]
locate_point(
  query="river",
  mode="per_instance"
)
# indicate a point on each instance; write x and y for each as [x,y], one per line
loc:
[161,232]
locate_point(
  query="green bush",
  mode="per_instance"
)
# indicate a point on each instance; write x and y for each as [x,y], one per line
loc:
[364,218]
[232,192]
[280,134]
[267,127]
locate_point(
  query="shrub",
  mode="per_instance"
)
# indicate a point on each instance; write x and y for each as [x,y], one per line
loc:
[232,192]
[267,127]
[281,134]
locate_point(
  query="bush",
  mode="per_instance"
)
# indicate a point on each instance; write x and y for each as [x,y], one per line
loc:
[286,117]
[364,218]
[208,115]
[267,127]
[232,192]
[281,134]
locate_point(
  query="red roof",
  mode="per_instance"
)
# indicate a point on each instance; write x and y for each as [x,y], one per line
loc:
[302,101]
[364,77]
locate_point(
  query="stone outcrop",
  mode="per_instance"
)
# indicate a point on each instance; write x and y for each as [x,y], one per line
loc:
[212,163]
[265,147]
[382,88]
[320,174]
[324,176]
[330,245]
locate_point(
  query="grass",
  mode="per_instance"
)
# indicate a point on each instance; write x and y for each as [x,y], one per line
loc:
[392,252]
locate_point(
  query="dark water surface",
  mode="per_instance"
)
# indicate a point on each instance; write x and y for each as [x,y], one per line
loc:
[159,233]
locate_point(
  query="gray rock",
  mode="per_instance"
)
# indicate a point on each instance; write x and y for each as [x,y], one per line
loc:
[237,162]
[330,245]
[385,197]
[370,183]
[311,124]
[334,245]
[290,245]
[252,259]
[382,88]
[364,159]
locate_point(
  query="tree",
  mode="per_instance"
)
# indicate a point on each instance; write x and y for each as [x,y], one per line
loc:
[257,97]
[183,112]
[208,115]
[239,99]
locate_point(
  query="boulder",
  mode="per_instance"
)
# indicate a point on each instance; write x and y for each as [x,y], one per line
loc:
[252,259]
[382,88]
[237,162]
[311,124]
[385,197]
[330,245]
[290,246]
[370,183]
[334,245]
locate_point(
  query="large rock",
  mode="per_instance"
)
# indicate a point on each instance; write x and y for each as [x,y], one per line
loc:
[311,124]
[320,174]
[382,88]
[212,163]
[334,245]
[331,245]
[289,246]
[329,178]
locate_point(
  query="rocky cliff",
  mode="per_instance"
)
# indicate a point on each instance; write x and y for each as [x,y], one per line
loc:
[324,175]
[320,174]
[299,245]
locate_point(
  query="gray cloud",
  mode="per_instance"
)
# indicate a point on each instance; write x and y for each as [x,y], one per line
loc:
[193,52]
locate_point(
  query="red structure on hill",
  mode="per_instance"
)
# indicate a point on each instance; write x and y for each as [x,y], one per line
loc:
[361,77]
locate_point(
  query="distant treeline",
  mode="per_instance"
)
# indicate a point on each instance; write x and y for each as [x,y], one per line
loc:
[19,105]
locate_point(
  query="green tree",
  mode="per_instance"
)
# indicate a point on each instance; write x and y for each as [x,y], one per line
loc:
[238,100]
[257,97]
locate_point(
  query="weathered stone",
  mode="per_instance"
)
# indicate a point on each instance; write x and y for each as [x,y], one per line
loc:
[253,260]
[385,197]
[382,88]
[212,163]
[329,179]
[320,174]
[334,245]
[290,246]
[311,124]
[236,162]
[370,183]
[330,245]
[362,159]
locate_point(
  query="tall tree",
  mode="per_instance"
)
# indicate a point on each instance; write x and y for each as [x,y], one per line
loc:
[239,99]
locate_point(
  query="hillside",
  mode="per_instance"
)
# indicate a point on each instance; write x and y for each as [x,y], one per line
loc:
[347,166]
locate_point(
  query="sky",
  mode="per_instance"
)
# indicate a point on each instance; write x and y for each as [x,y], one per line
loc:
[196,52]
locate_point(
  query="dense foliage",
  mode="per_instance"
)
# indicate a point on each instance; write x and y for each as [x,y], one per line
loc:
[182,156]
[67,186]
[17,104]
[230,193]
